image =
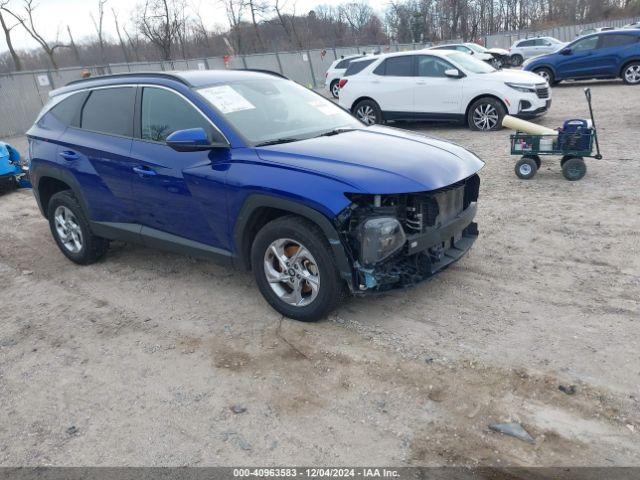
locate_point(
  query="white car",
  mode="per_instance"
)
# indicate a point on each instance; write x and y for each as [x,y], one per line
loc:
[497,57]
[589,31]
[532,47]
[440,85]
[335,72]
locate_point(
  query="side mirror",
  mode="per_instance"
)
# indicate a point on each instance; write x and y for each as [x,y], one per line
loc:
[453,73]
[565,51]
[192,140]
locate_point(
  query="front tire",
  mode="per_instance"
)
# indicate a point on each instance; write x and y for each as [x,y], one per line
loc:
[526,168]
[486,114]
[516,60]
[295,269]
[631,73]
[368,112]
[546,74]
[70,230]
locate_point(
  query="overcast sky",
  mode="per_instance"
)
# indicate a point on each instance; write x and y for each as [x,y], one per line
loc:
[52,16]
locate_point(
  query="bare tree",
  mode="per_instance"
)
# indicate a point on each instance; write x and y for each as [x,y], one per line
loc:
[29,25]
[256,8]
[235,11]
[72,44]
[160,21]
[7,36]
[122,44]
[98,26]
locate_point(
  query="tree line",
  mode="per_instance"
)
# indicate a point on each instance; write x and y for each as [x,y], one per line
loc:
[173,29]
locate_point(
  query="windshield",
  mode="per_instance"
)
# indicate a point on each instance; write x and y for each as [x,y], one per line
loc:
[470,64]
[271,109]
[476,48]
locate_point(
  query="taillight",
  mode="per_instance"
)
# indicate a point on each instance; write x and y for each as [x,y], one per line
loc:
[342,82]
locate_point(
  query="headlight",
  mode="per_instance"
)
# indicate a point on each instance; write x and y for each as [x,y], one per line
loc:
[379,238]
[522,87]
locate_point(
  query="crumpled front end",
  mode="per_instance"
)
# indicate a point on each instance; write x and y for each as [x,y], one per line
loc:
[399,240]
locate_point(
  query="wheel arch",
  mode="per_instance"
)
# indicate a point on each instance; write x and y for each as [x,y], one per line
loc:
[478,97]
[47,181]
[259,209]
[626,63]
[360,99]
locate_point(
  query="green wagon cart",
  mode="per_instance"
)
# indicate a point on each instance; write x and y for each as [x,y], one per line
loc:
[573,144]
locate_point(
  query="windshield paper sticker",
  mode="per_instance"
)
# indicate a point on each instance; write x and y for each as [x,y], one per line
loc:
[226,99]
[325,107]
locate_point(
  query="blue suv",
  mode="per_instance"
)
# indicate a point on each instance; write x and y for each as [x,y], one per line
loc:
[255,171]
[610,54]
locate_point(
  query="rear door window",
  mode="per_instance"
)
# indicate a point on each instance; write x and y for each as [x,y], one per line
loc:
[527,43]
[110,111]
[617,40]
[396,67]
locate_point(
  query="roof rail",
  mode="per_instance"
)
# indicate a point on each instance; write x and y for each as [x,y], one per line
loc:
[170,76]
[260,70]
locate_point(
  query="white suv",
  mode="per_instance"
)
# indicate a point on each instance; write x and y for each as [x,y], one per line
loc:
[335,72]
[442,85]
[532,47]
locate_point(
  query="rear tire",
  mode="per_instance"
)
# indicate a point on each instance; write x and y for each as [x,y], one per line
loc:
[631,73]
[574,169]
[368,112]
[486,114]
[526,168]
[335,89]
[71,231]
[295,269]
[516,60]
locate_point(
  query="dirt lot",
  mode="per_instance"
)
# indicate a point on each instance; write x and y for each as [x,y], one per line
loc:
[138,360]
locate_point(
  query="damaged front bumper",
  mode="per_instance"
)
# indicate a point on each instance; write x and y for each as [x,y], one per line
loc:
[438,227]
[425,255]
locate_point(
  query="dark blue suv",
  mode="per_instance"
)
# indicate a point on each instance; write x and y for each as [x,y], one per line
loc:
[255,171]
[610,54]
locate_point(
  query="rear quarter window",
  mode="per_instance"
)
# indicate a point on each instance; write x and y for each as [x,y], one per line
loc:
[357,67]
[617,40]
[67,111]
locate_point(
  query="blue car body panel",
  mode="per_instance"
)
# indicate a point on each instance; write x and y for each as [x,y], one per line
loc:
[151,191]
[605,62]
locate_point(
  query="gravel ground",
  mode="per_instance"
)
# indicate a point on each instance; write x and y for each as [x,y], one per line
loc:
[140,359]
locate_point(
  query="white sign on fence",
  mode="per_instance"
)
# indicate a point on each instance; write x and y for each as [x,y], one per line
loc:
[43,80]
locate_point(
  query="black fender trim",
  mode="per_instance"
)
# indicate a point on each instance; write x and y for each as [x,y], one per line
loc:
[256,201]
[59,174]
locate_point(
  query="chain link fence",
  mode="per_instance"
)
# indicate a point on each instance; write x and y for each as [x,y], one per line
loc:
[22,94]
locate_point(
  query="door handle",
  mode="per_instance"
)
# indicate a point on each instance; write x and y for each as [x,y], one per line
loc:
[375,81]
[69,155]
[421,83]
[144,171]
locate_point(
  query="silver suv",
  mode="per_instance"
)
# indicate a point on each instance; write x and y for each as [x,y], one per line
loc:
[532,47]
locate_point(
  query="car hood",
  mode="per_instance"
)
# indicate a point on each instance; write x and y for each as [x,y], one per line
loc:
[498,51]
[483,56]
[378,160]
[516,76]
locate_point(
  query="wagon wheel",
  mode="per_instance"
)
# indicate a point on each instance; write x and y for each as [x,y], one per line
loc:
[574,168]
[526,168]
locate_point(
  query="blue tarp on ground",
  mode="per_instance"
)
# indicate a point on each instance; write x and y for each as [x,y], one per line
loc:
[10,165]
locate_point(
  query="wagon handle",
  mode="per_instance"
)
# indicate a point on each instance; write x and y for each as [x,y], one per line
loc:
[587,93]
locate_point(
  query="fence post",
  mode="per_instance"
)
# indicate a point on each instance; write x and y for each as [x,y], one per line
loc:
[279,64]
[313,75]
[244,62]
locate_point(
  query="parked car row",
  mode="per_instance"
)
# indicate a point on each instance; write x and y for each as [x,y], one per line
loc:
[608,54]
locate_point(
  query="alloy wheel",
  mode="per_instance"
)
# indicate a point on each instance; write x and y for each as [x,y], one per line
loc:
[525,169]
[335,90]
[544,74]
[366,114]
[292,272]
[68,229]
[632,73]
[485,116]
